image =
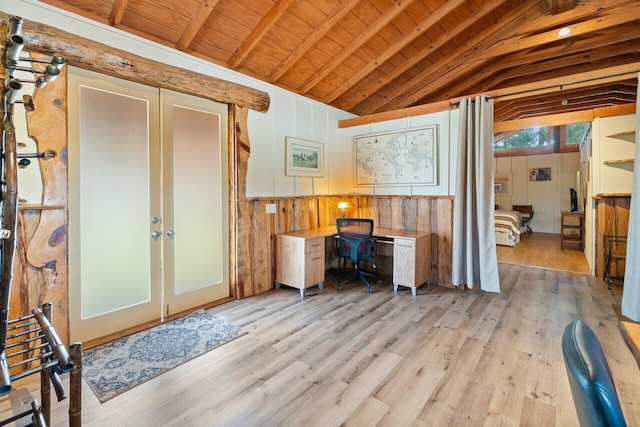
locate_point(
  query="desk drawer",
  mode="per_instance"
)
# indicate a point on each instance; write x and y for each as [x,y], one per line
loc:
[313,245]
[314,268]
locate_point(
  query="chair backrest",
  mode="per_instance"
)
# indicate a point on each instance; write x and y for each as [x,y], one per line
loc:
[525,209]
[355,238]
[592,387]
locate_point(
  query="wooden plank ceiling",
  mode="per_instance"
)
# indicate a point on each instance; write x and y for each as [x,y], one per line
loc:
[370,56]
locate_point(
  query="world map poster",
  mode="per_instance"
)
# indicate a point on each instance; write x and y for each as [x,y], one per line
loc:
[406,157]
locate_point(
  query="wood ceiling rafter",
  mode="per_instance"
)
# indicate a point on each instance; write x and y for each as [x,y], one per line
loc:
[410,36]
[354,100]
[441,70]
[204,10]
[616,36]
[297,53]
[368,57]
[117,12]
[580,99]
[420,91]
[559,6]
[494,75]
[626,14]
[561,62]
[256,35]
[398,7]
[581,12]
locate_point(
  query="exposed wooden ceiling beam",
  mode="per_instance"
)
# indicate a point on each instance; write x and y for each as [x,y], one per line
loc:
[365,91]
[444,66]
[626,14]
[614,36]
[576,81]
[612,90]
[117,12]
[398,7]
[84,53]
[559,6]
[623,15]
[539,61]
[258,33]
[494,75]
[204,10]
[319,32]
[526,108]
[582,11]
[410,36]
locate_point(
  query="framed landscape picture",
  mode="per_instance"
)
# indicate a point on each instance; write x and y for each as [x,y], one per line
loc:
[304,158]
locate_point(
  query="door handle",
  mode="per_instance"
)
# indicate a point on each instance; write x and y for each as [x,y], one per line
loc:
[155,234]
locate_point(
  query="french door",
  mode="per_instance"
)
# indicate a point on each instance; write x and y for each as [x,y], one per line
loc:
[148,223]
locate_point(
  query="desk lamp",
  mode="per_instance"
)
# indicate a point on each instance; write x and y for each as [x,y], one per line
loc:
[343,207]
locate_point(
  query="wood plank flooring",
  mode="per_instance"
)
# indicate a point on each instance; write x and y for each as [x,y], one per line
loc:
[444,357]
[543,250]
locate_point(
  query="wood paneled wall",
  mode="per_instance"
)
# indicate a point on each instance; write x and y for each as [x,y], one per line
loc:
[257,230]
[253,230]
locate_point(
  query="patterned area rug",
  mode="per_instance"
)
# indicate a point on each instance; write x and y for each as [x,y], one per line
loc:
[118,366]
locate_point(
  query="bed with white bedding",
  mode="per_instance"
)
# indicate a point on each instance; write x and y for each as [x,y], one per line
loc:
[507,227]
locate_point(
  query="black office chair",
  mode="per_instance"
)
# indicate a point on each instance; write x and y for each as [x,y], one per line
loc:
[592,387]
[356,243]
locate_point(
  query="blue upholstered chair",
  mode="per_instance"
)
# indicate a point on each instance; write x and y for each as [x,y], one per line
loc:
[592,387]
[356,243]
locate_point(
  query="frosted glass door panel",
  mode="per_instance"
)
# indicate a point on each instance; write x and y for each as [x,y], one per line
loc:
[114,194]
[115,265]
[196,220]
[196,199]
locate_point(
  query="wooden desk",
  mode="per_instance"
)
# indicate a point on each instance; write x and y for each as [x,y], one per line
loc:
[300,257]
[631,334]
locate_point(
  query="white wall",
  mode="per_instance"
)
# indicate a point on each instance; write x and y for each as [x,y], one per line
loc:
[612,178]
[548,198]
[342,157]
[288,115]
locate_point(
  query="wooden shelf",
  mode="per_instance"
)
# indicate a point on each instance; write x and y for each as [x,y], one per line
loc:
[617,161]
[623,133]
[619,134]
[31,206]
[610,195]
[572,232]
[628,135]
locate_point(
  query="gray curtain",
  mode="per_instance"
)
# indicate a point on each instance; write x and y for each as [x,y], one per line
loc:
[631,290]
[474,242]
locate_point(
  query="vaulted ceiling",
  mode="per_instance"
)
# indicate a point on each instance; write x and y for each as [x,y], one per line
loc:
[370,56]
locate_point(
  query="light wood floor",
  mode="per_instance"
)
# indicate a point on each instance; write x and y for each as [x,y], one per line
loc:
[444,357]
[543,250]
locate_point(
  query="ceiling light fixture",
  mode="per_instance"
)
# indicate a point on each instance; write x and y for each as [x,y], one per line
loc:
[564,32]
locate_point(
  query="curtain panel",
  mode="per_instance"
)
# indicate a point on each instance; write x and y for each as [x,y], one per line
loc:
[474,259]
[631,290]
